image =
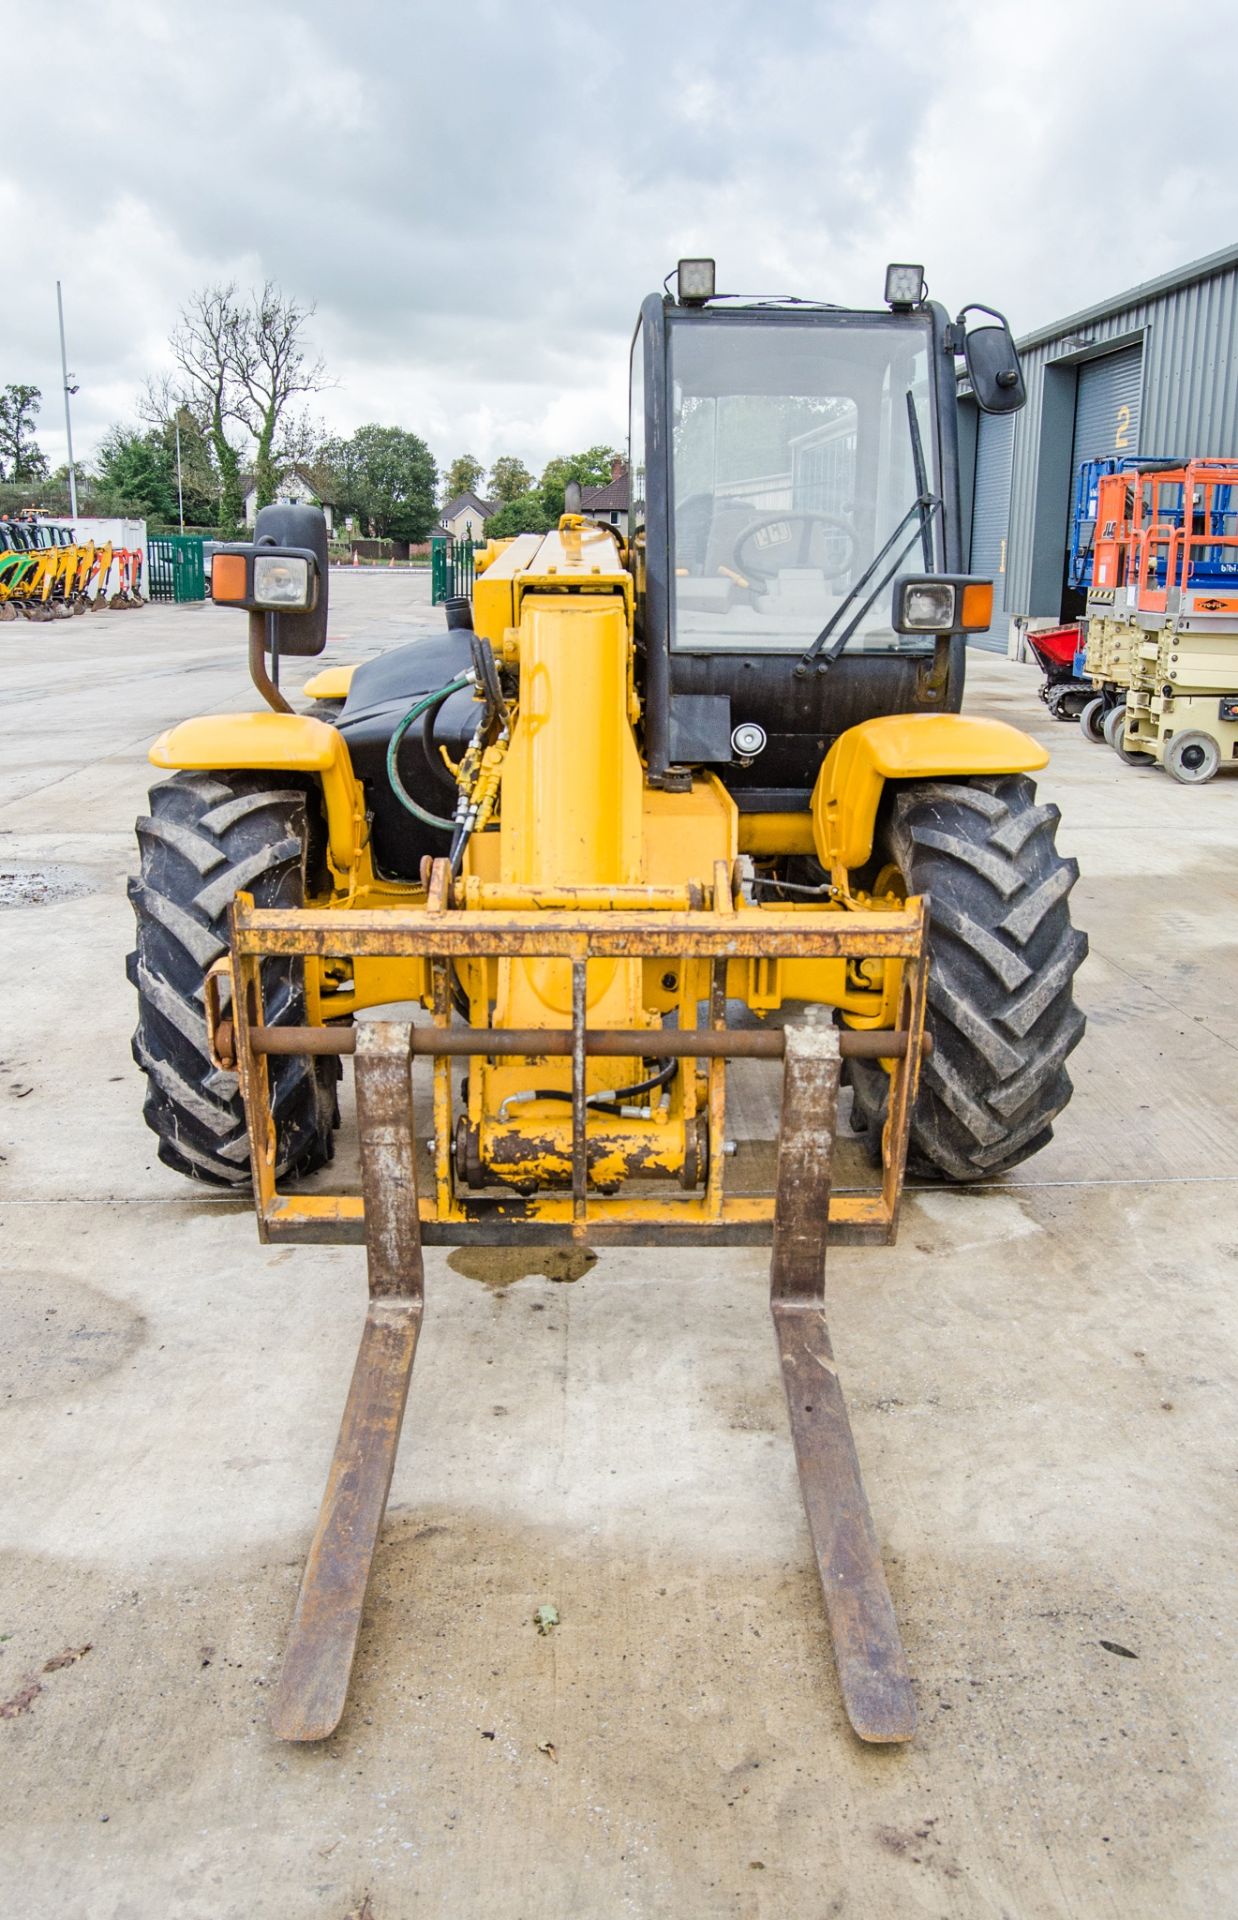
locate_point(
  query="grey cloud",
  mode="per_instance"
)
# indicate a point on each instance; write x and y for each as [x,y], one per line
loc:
[478,198]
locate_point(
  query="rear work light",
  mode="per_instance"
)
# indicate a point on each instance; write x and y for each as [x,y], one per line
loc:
[942,603]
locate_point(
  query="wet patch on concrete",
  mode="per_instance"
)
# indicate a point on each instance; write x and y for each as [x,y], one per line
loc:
[41,886]
[57,1334]
[499,1267]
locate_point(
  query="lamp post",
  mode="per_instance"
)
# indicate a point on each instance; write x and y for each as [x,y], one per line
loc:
[68,424]
[180,490]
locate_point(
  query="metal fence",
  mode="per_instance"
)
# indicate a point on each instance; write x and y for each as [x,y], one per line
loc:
[177,570]
[451,568]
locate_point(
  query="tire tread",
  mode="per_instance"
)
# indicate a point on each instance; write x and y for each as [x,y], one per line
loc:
[1002,959]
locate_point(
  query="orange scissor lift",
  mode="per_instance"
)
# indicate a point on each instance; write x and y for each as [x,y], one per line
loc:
[1162,647]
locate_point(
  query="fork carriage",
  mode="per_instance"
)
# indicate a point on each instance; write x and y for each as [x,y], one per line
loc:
[394,1220]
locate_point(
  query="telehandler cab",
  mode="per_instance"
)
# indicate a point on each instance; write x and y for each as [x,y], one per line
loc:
[639,796]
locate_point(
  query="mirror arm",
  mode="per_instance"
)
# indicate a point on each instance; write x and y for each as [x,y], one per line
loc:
[258,666]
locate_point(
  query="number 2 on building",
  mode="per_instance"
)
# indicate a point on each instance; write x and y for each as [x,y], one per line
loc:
[1122,438]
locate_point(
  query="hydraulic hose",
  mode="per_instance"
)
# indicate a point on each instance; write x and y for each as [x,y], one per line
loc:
[610,1098]
[393,772]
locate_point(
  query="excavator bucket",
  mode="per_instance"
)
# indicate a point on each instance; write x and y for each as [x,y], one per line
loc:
[395,1219]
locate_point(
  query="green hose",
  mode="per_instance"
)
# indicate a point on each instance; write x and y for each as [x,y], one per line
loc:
[393,772]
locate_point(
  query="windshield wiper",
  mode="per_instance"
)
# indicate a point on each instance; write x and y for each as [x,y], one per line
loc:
[825,649]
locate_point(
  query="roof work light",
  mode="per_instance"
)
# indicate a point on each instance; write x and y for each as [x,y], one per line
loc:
[695,282]
[904,287]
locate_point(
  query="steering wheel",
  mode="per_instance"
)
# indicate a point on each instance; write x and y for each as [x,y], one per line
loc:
[776,540]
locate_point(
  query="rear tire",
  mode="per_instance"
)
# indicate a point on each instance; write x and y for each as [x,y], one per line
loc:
[1091,721]
[1112,725]
[209,835]
[1002,960]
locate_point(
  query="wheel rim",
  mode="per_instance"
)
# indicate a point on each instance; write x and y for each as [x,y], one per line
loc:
[1193,759]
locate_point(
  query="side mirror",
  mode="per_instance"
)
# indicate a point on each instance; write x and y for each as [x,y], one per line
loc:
[992,362]
[280,577]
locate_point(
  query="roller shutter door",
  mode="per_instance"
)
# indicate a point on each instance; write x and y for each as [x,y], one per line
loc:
[990,520]
[1107,408]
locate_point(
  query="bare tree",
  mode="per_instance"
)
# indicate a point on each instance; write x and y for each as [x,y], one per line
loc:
[242,362]
[207,344]
[269,365]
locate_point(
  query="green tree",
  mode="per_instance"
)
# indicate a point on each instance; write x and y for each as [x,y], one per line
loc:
[387,477]
[137,476]
[509,478]
[527,514]
[589,469]
[20,456]
[464,475]
[199,481]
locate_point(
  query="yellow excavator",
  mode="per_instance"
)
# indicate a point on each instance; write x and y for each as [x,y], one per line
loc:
[650,804]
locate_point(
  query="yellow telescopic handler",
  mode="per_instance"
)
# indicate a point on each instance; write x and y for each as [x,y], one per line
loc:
[640,795]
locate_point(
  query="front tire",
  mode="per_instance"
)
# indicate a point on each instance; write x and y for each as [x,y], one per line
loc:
[1002,959]
[1193,758]
[208,836]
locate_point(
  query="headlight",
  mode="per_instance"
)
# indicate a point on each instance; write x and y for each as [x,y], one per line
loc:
[942,603]
[280,582]
[928,607]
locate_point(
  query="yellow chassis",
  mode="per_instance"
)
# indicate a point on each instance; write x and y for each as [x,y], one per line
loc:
[630,884]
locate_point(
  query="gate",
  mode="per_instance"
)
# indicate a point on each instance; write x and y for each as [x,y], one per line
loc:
[451,568]
[177,571]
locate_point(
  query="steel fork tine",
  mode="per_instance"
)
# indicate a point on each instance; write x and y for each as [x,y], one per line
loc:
[872,1667]
[313,1685]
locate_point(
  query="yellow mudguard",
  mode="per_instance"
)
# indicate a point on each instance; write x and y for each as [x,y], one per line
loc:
[904,746]
[274,742]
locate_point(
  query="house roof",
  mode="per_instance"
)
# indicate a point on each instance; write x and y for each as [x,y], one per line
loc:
[468,502]
[249,482]
[611,498]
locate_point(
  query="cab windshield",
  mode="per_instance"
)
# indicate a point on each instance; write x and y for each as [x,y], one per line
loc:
[791,465]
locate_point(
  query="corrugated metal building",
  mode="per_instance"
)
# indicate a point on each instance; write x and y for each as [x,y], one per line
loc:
[1153,372]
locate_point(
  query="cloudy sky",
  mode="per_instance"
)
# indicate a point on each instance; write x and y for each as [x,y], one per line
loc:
[477,196]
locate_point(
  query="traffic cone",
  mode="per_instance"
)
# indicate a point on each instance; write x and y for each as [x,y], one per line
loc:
[356,558]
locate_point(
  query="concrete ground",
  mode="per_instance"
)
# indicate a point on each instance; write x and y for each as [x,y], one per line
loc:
[1042,1378]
